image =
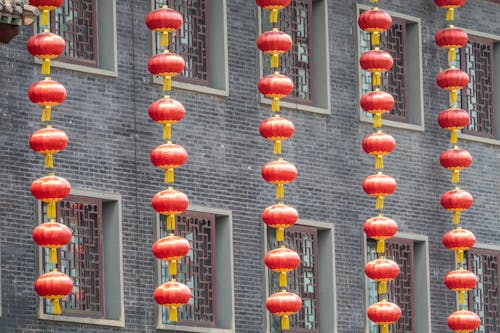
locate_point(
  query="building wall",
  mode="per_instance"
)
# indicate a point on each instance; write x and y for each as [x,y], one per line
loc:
[111,137]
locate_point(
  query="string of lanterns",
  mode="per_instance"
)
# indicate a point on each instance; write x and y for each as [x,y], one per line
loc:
[378,144]
[50,189]
[168,157]
[279,172]
[457,200]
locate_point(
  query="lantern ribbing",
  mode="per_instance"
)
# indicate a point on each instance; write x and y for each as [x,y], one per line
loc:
[278,172]
[455,159]
[168,157]
[379,144]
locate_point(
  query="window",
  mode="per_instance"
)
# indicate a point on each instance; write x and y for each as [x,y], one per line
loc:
[97,295]
[404,80]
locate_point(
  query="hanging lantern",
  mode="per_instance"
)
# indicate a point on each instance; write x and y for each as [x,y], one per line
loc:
[378,144]
[170,202]
[379,186]
[380,228]
[167,65]
[383,314]
[461,281]
[452,79]
[45,6]
[47,93]
[450,5]
[280,216]
[455,160]
[54,286]
[46,46]
[377,102]
[451,38]
[50,189]
[456,201]
[164,20]
[48,141]
[173,295]
[459,240]
[166,111]
[453,120]
[374,21]
[52,235]
[382,270]
[273,6]
[284,304]
[276,129]
[274,43]
[282,260]
[376,62]
[463,321]
[171,248]
[168,156]
[275,86]
[279,173]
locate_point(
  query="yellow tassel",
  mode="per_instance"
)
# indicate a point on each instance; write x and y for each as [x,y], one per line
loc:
[275,60]
[51,210]
[373,1]
[380,246]
[376,79]
[280,234]
[384,328]
[44,18]
[285,323]
[382,287]
[459,256]
[379,203]
[280,191]
[46,67]
[454,136]
[461,297]
[275,106]
[167,83]
[172,267]
[172,314]
[377,120]
[453,98]
[450,14]
[164,39]
[169,175]
[49,161]
[56,305]
[53,255]
[46,113]
[456,218]
[379,162]
[455,176]
[273,16]
[282,280]
[452,55]
[277,147]
[170,222]
[167,131]
[375,38]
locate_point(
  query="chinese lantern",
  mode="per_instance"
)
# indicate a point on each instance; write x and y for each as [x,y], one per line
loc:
[282,260]
[170,202]
[451,38]
[273,6]
[279,173]
[456,201]
[47,93]
[450,5]
[50,189]
[274,43]
[380,228]
[164,20]
[378,144]
[459,240]
[377,102]
[168,156]
[52,235]
[284,304]
[171,248]
[461,281]
[382,270]
[276,129]
[46,46]
[379,186]
[376,62]
[384,313]
[54,286]
[48,141]
[280,216]
[374,21]
[455,160]
[45,6]
[168,65]
[463,321]
[452,79]
[166,111]
[453,120]
[275,86]
[172,294]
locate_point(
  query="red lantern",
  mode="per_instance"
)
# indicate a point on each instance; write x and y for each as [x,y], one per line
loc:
[45,6]
[54,286]
[273,6]
[168,156]
[378,144]
[383,314]
[52,235]
[172,294]
[461,281]
[380,228]
[164,20]
[450,5]
[171,248]
[47,93]
[275,86]
[463,321]
[280,216]
[382,270]
[455,160]
[276,129]
[50,189]
[48,141]
[284,304]
[452,79]
[279,173]
[379,186]
[459,240]
[374,21]
[453,120]
[46,46]
[167,65]
[282,260]
[170,202]
[166,111]
[274,43]
[456,201]
[377,102]
[451,38]
[376,62]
